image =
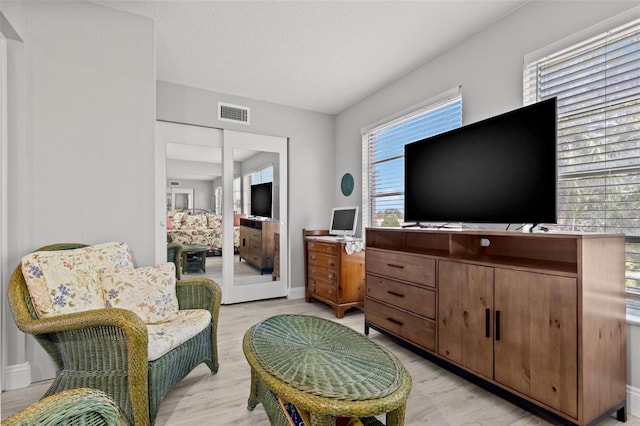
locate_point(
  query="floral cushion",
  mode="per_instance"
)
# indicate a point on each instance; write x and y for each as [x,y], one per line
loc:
[181,327]
[178,219]
[194,221]
[150,292]
[67,281]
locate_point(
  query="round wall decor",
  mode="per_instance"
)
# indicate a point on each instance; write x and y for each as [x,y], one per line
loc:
[346,184]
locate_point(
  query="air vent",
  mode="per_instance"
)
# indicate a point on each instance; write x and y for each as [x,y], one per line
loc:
[174,183]
[234,113]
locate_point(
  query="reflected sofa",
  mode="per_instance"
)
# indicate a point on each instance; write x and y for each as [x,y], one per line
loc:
[201,228]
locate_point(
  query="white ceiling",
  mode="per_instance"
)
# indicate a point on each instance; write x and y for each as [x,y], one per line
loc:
[318,55]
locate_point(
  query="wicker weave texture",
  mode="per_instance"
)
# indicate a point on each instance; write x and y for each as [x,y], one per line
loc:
[88,407]
[106,349]
[324,358]
[278,348]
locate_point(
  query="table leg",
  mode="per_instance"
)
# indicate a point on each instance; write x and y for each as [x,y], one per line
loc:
[396,417]
[321,419]
[253,393]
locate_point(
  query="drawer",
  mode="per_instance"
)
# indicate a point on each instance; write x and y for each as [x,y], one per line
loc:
[417,330]
[256,260]
[322,274]
[323,260]
[322,248]
[255,235]
[419,300]
[255,245]
[324,289]
[402,266]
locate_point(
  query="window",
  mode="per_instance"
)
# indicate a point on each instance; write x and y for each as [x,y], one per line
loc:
[383,154]
[237,195]
[597,83]
[260,176]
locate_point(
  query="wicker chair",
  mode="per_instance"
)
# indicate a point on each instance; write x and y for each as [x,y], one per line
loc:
[174,254]
[106,349]
[81,406]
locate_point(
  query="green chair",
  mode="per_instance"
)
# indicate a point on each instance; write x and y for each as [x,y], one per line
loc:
[107,348]
[174,254]
[81,406]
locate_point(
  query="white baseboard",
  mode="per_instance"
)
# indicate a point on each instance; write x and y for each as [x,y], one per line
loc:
[17,376]
[633,401]
[296,293]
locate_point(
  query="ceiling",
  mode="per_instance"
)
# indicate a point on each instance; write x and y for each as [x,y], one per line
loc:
[322,56]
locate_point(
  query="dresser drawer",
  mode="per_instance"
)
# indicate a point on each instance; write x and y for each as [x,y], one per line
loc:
[255,235]
[322,248]
[414,329]
[402,266]
[324,289]
[323,260]
[323,274]
[419,300]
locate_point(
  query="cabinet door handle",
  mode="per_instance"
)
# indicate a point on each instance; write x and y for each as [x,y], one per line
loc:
[487,319]
[395,321]
[393,293]
[497,325]
[395,266]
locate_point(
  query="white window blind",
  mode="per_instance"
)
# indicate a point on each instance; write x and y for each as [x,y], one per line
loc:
[384,196]
[597,84]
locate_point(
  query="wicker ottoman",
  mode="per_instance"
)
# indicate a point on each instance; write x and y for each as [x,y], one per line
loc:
[325,368]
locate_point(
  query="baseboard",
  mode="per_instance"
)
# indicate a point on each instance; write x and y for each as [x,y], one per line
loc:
[633,401]
[17,376]
[296,293]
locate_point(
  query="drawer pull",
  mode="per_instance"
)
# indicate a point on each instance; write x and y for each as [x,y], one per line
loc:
[393,265]
[330,276]
[393,293]
[497,326]
[487,322]
[395,321]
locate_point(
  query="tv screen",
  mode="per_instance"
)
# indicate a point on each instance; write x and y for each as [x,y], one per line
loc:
[344,221]
[261,199]
[499,170]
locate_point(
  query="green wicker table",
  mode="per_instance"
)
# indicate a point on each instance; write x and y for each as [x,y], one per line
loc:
[194,257]
[325,368]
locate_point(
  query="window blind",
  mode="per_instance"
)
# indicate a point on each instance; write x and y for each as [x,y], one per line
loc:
[385,157]
[597,84]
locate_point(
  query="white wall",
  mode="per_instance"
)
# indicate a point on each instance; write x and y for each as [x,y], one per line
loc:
[311,154]
[489,68]
[202,191]
[81,137]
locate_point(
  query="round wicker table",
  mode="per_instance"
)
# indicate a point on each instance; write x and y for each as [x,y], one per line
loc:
[325,368]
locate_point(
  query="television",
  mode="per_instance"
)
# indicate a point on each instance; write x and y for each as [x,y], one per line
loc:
[498,170]
[344,221]
[261,199]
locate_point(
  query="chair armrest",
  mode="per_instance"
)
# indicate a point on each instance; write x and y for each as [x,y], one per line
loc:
[82,405]
[199,293]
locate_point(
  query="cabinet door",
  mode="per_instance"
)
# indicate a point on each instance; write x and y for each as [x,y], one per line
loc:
[465,304]
[536,349]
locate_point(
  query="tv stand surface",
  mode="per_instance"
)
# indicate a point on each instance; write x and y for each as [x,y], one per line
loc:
[539,315]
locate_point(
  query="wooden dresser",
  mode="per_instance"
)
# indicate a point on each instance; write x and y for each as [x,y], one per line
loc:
[540,317]
[331,275]
[257,243]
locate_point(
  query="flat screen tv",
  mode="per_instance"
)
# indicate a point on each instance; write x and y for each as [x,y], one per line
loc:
[344,221]
[499,170]
[261,199]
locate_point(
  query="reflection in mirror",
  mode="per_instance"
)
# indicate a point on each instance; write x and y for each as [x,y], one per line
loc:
[256,216]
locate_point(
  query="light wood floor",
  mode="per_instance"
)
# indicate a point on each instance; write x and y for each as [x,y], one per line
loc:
[438,397]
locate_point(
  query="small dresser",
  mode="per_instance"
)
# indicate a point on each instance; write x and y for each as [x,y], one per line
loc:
[332,275]
[257,243]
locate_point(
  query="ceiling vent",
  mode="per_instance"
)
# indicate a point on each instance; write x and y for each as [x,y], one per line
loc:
[233,113]
[174,183]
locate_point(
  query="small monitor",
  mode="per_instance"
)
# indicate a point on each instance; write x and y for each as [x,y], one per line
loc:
[344,221]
